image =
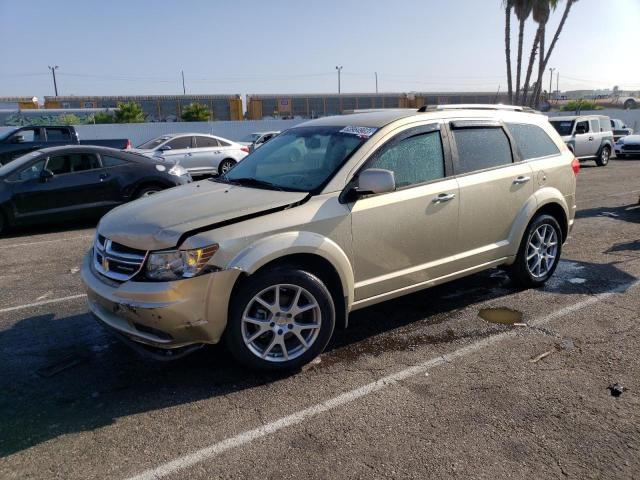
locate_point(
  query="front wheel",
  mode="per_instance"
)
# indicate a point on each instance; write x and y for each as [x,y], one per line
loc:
[280,320]
[603,158]
[148,191]
[538,254]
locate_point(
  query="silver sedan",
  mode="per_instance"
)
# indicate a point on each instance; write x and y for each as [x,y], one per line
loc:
[199,153]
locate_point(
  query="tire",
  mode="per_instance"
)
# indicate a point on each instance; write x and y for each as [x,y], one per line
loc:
[280,330]
[148,191]
[629,104]
[603,158]
[225,165]
[523,271]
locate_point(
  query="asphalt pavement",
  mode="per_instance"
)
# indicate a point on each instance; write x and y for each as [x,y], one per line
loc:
[417,387]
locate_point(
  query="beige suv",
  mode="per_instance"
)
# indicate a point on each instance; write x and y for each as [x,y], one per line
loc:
[272,256]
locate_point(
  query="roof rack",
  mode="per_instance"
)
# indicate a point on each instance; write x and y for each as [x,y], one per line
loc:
[475,106]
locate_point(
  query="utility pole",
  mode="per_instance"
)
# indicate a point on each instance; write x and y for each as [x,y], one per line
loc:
[339,69]
[184,90]
[376,73]
[550,83]
[53,72]
[557,85]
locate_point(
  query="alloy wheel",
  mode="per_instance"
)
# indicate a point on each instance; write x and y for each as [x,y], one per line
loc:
[281,322]
[542,250]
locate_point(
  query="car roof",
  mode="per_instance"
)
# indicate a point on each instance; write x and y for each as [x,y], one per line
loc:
[566,118]
[76,148]
[381,118]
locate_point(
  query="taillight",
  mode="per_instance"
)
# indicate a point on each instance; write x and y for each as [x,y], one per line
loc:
[128,145]
[575,165]
[245,149]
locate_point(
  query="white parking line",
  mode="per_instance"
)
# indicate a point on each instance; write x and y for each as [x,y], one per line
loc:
[44,302]
[243,438]
[45,241]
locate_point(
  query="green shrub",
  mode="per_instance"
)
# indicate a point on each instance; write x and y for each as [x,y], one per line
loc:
[196,112]
[582,104]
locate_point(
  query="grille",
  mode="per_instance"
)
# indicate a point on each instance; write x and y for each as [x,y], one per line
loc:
[633,147]
[117,261]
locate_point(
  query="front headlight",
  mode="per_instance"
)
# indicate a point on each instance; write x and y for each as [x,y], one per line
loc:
[175,264]
[178,170]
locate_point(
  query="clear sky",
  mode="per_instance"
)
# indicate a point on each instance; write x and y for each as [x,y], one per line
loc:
[285,46]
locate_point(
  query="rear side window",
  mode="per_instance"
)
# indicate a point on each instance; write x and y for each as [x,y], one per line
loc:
[605,124]
[532,141]
[414,160]
[595,125]
[58,135]
[108,161]
[202,142]
[224,144]
[481,148]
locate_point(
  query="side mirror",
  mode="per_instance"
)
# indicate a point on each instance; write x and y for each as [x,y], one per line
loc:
[376,180]
[164,148]
[46,175]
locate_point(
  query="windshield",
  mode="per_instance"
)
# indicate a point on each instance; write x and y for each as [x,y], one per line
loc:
[18,162]
[301,159]
[151,144]
[564,127]
[251,138]
[7,134]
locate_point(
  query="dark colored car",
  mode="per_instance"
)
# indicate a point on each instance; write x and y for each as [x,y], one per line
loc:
[620,129]
[27,139]
[63,183]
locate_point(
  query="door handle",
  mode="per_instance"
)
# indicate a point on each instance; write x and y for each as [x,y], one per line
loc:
[189,154]
[217,151]
[590,139]
[443,197]
[521,179]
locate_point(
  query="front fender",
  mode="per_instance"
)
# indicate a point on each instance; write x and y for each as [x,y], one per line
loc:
[280,245]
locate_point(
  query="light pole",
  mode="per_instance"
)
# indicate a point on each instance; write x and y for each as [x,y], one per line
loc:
[53,72]
[184,90]
[550,83]
[376,73]
[339,69]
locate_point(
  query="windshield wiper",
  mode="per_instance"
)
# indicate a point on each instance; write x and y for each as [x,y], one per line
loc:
[254,182]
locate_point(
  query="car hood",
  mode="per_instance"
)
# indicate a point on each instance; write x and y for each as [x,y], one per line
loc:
[631,139]
[158,221]
[143,151]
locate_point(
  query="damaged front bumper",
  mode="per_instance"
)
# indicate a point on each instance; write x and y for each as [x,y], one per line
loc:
[162,315]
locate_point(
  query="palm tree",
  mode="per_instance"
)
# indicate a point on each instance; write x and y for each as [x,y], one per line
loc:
[544,57]
[508,6]
[540,12]
[522,9]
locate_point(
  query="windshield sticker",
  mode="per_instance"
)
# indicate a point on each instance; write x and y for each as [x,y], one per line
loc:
[362,132]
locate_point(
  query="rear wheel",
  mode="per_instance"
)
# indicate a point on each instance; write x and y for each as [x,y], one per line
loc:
[603,158]
[280,320]
[225,166]
[631,103]
[539,253]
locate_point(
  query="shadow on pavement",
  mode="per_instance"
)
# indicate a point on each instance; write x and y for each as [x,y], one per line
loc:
[625,213]
[66,375]
[53,227]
